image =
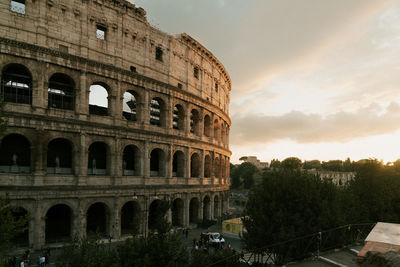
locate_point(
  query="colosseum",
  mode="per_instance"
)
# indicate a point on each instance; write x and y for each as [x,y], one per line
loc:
[108,116]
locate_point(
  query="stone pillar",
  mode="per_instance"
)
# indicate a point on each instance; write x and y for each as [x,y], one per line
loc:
[83,159]
[169,111]
[146,161]
[145,108]
[145,217]
[187,120]
[187,163]
[168,162]
[39,87]
[201,123]
[212,206]
[81,97]
[39,227]
[116,103]
[201,176]
[115,223]
[38,161]
[82,220]
[169,216]
[201,208]
[186,210]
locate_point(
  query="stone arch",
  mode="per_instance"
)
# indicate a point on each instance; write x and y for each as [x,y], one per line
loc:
[195,122]
[98,99]
[178,117]
[59,156]
[177,212]
[21,239]
[15,154]
[157,112]
[195,165]
[178,164]
[216,207]
[222,133]
[217,167]
[130,218]
[131,160]
[216,130]
[194,210]
[157,162]
[97,158]
[130,103]
[61,92]
[207,166]
[207,125]
[16,84]
[155,214]
[206,208]
[58,224]
[98,219]
[223,168]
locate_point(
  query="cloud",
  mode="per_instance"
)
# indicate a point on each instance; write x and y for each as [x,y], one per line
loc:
[313,128]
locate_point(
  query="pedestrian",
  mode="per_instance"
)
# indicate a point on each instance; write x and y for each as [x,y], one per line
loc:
[186,233]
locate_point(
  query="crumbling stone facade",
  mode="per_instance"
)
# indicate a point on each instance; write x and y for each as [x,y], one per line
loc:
[106,116]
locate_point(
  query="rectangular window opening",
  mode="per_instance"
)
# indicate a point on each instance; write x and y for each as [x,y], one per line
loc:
[196,72]
[101,32]
[159,54]
[18,6]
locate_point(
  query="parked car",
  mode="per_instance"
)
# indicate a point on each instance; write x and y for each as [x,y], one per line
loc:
[212,239]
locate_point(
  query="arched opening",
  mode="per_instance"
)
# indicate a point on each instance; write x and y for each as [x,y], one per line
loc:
[18,6]
[223,168]
[97,219]
[217,167]
[178,119]
[59,156]
[157,112]
[16,84]
[15,154]
[97,159]
[207,125]
[157,160]
[58,224]
[194,210]
[177,212]
[156,214]
[195,122]
[22,239]
[216,130]
[207,166]
[130,218]
[195,165]
[216,207]
[206,208]
[61,92]
[129,106]
[98,99]
[222,133]
[178,164]
[131,160]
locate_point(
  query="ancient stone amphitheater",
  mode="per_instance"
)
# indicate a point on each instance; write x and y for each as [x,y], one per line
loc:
[108,116]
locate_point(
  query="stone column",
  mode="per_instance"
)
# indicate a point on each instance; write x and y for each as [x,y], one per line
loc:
[145,108]
[187,120]
[115,223]
[83,159]
[82,96]
[201,176]
[212,206]
[187,163]
[146,161]
[186,210]
[38,161]
[168,162]
[169,111]
[201,208]
[39,88]
[116,101]
[39,227]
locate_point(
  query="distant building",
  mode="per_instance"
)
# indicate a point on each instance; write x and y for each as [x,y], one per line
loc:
[256,162]
[338,178]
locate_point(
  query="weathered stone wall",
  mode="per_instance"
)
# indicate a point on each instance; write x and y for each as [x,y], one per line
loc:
[59,37]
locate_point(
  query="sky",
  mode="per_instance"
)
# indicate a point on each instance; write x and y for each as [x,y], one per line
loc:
[310,79]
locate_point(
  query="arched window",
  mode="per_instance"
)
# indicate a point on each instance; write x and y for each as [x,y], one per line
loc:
[98,99]
[217,167]
[222,133]
[178,164]
[177,212]
[59,156]
[130,218]
[195,165]
[16,84]
[206,208]
[194,122]
[15,154]
[131,160]
[61,92]
[207,126]
[58,224]
[97,159]
[129,106]
[157,112]
[207,166]
[157,162]
[97,219]
[216,130]
[194,210]
[178,117]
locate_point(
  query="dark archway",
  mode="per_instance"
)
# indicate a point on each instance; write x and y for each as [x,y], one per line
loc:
[131,160]
[97,159]
[216,207]
[59,156]
[195,165]
[178,119]
[61,92]
[15,154]
[216,130]
[178,164]
[177,212]
[129,105]
[97,219]
[194,210]
[207,166]
[98,99]
[130,218]
[157,162]
[58,224]
[156,214]
[195,122]
[22,239]
[206,208]
[222,133]
[16,84]
[157,112]
[217,167]
[207,126]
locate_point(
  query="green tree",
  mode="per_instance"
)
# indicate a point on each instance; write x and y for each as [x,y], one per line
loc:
[333,165]
[275,164]
[312,164]
[235,177]
[247,171]
[291,163]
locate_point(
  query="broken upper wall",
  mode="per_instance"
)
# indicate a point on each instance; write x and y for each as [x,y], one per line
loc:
[116,32]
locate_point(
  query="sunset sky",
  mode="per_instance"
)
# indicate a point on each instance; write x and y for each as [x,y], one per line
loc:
[312,79]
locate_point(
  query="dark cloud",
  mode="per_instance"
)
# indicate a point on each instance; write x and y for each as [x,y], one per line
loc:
[313,128]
